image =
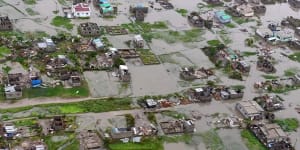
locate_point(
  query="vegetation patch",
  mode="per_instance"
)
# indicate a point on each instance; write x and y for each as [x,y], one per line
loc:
[214,43]
[151,117]
[58,91]
[60,21]
[270,77]
[251,141]
[62,2]
[174,114]
[29,2]
[248,53]
[147,57]
[130,121]
[57,141]
[31,12]
[97,106]
[145,144]
[176,36]
[291,72]
[182,12]
[4,51]
[241,20]
[230,25]
[25,122]
[295,57]
[288,125]
[212,140]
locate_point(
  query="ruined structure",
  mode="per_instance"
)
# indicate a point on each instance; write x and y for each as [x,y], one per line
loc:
[272,136]
[269,103]
[259,9]
[242,66]
[191,74]
[13,92]
[200,94]
[165,4]
[294,3]
[121,133]
[127,53]
[227,93]
[5,24]
[89,29]
[90,140]
[250,110]
[195,19]
[178,126]
[139,11]
[263,64]
[57,123]
[115,30]
[124,74]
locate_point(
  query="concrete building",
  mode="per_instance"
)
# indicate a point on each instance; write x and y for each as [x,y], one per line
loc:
[5,24]
[272,136]
[81,10]
[89,29]
[250,110]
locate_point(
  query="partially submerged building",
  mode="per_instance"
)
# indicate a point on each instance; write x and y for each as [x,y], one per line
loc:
[13,92]
[259,9]
[294,3]
[222,17]
[90,140]
[89,29]
[47,45]
[272,136]
[138,41]
[265,65]
[195,19]
[229,93]
[200,94]
[81,10]
[269,103]
[178,126]
[250,110]
[191,74]
[57,123]
[124,74]
[5,24]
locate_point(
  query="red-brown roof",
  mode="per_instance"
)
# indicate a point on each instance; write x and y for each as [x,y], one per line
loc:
[82,7]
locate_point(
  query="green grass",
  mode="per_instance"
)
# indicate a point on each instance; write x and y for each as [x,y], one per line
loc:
[25,122]
[230,25]
[60,21]
[241,20]
[248,53]
[187,36]
[29,2]
[174,114]
[97,106]
[146,144]
[295,57]
[270,77]
[182,12]
[291,72]
[54,145]
[288,125]
[251,141]
[147,57]
[31,12]
[4,51]
[58,91]
[214,43]
[212,140]
[151,117]
[62,2]
[74,145]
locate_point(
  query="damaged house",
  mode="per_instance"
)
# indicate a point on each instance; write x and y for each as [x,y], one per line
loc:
[272,136]
[75,80]
[47,45]
[263,64]
[200,94]
[14,83]
[58,123]
[242,66]
[178,126]
[192,74]
[227,93]
[250,110]
[243,10]
[89,29]
[270,103]
[196,20]
[121,133]
[13,92]
[90,140]
[123,73]
[139,11]
[5,24]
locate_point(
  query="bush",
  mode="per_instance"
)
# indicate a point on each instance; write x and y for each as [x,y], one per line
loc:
[130,121]
[59,21]
[288,125]
[151,117]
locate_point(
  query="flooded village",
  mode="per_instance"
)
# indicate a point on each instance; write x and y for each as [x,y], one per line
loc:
[149,74]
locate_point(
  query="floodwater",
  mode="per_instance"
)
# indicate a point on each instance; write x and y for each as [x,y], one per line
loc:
[164,78]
